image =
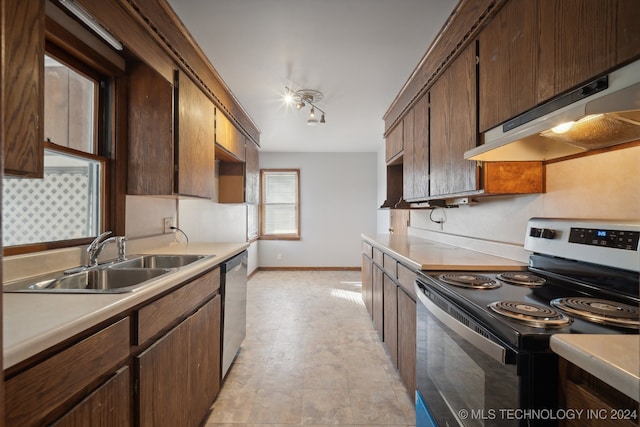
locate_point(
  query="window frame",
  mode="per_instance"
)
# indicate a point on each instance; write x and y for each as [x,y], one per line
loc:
[74,51]
[280,236]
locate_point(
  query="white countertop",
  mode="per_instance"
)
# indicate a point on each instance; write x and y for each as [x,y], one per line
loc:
[33,322]
[423,254]
[611,358]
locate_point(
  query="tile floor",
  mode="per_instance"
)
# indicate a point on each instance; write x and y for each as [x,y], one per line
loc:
[311,357]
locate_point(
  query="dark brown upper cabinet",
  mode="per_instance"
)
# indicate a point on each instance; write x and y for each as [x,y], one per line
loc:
[453,127]
[229,139]
[416,152]
[194,139]
[151,164]
[22,87]
[394,144]
[171,136]
[533,50]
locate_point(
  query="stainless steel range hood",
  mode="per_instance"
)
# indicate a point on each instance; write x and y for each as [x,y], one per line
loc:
[602,113]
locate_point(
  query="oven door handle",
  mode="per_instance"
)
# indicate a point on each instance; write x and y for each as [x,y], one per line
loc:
[490,348]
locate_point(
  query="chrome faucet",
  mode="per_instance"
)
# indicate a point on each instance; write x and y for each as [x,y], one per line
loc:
[95,248]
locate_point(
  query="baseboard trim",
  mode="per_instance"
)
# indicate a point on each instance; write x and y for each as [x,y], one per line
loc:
[308,269]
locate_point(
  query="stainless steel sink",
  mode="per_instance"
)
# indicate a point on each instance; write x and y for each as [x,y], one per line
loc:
[93,280]
[157,261]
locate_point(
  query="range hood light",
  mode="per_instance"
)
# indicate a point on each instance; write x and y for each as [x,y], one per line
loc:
[563,127]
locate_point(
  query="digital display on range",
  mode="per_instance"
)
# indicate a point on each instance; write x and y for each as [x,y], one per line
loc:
[619,239]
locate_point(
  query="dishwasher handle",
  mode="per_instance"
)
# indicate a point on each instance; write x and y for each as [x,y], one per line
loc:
[235,263]
[492,349]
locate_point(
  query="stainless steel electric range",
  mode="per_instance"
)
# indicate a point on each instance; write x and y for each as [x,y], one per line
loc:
[483,354]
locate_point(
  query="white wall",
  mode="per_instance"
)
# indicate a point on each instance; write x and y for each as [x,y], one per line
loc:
[597,187]
[337,204]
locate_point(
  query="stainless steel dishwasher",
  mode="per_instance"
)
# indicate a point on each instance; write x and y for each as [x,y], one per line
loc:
[234,308]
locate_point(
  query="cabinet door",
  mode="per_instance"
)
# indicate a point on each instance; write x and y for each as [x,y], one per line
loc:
[408,166]
[108,406]
[407,341]
[578,41]
[399,221]
[204,369]
[195,136]
[391,318]
[150,165]
[628,31]
[394,143]
[453,127]
[163,388]
[367,283]
[415,163]
[508,55]
[22,87]
[229,138]
[377,300]
[421,149]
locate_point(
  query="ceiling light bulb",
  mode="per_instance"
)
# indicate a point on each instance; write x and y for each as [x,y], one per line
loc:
[299,105]
[312,114]
[562,127]
[288,98]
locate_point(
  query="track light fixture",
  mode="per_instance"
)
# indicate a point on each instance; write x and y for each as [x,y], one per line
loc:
[303,97]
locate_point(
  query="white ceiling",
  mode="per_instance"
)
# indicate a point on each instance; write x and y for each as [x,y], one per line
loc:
[358,53]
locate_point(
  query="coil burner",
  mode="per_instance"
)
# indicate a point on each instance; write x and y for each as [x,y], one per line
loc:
[530,314]
[468,280]
[600,311]
[522,279]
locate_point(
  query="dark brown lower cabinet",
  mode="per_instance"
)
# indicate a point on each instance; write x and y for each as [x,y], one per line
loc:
[367,283]
[601,404]
[377,299]
[46,392]
[108,406]
[407,340]
[163,386]
[204,368]
[391,318]
[179,375]
[390,300]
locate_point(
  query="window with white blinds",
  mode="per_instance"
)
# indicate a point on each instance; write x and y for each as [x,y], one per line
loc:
[280,197]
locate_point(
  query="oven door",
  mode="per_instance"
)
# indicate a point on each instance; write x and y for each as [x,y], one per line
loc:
[462,376]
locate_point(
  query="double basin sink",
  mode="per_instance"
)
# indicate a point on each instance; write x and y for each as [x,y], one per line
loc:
[114,277]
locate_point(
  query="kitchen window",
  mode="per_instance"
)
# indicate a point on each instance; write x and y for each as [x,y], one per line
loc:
[67,204]
[280,204]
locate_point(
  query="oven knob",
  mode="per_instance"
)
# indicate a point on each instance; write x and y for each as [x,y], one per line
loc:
[548,233]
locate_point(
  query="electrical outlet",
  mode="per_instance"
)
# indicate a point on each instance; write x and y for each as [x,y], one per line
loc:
[279,256]
[168,223]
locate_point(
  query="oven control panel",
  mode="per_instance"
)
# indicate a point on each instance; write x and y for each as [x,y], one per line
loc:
[605,242]
[609,238]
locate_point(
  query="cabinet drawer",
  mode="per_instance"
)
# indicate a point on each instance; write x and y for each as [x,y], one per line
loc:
[162,313]
[34,394]
[390,266]
[377,256]
[406,279]
[367,249]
